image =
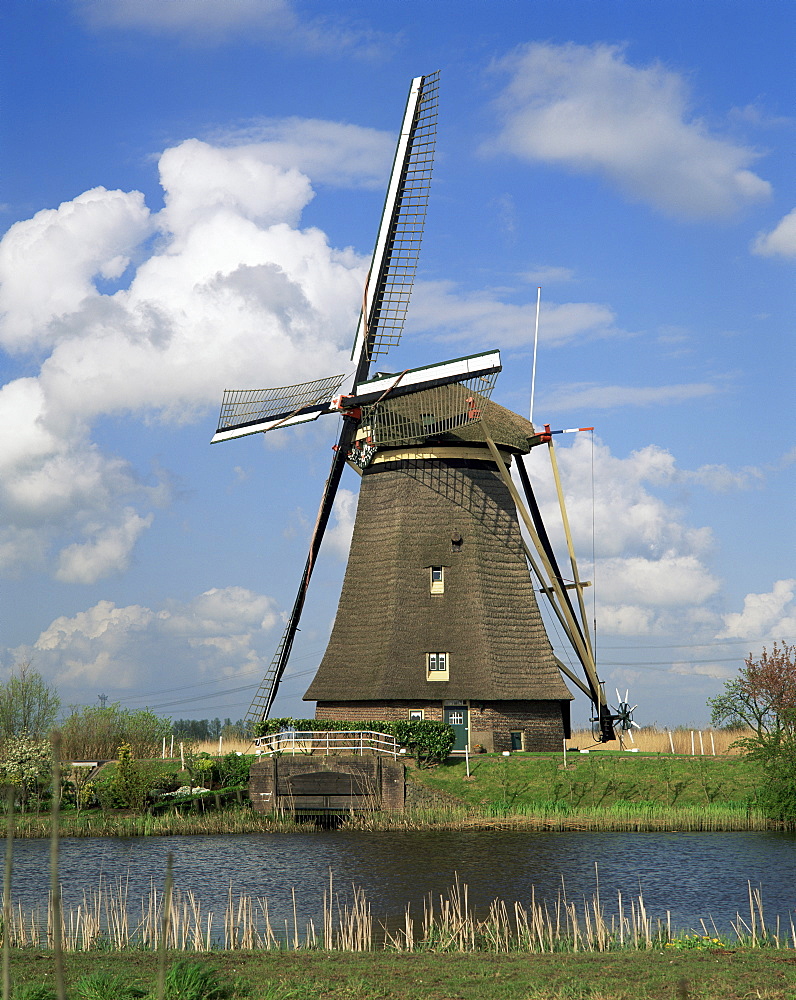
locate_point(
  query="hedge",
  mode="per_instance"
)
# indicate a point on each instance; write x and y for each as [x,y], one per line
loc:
[428,742]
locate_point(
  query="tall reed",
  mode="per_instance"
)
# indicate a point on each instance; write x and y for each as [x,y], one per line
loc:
[448,923]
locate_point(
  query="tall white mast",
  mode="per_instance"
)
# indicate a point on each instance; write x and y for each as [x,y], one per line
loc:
[535,342]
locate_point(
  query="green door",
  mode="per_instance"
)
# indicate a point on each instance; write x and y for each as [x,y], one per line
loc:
[456,716]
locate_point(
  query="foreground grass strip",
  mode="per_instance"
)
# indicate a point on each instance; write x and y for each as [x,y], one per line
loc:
[736,974]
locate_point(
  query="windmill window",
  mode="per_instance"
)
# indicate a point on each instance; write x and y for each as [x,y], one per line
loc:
[456,543]
[415,714]
[437,666]
[437,580]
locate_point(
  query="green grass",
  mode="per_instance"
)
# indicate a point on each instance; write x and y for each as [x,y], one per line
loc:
[595,780]
[719,974]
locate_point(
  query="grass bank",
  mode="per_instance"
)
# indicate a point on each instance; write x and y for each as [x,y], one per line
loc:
[715,974]
[599,791]
[618,786]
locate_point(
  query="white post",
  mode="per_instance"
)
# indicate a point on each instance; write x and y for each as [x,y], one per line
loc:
[712,744]
[565,752]
[220,742]
[671,741]
[171,752]
[182,758]
[535,342]
[701,745]
[467,758]
[164,748]
[692,742]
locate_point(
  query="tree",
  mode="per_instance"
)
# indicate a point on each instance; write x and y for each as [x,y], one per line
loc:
[27,704]
[762,696]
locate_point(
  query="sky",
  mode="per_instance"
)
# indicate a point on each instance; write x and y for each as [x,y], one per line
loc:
[189,196]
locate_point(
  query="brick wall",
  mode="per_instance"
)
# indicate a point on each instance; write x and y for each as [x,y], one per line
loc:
[491,723]
[365,711]
[382,778]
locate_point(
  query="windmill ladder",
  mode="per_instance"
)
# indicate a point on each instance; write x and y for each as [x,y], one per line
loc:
[261,703]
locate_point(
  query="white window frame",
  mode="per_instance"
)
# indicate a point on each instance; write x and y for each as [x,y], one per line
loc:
[435,672]
[416,714]
[437,586]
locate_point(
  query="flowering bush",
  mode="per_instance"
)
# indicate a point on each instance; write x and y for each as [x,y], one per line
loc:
[26,763]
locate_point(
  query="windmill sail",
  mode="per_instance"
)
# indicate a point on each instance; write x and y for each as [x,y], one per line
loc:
[380,326]
[252,411]
[392,269]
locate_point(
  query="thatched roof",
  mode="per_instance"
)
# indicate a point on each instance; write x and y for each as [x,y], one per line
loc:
[487,619]
[443,415]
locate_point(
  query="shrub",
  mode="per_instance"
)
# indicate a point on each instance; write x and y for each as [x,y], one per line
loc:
[91,732]
[233,770]
[429,742]
[129,784]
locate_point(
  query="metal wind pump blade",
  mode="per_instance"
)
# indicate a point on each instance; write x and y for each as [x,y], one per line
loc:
[385,302]
[623,717]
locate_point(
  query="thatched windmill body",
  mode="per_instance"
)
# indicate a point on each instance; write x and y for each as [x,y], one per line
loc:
[438,616]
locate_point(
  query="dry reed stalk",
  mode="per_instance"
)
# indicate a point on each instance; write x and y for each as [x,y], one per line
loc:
[449,924]
[650,739]
[229,746]
[165,927]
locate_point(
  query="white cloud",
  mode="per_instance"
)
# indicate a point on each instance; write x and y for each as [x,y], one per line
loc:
[770,616]
[213,22]
[222,632]
[652,572]
[107,551]
[334,153]
[781,241]
[439,308]
[587,108]
[548,275]
[233,292]
[338,536]
[671,580]
[590,396]
[714,670]
[47,263]
[200,180]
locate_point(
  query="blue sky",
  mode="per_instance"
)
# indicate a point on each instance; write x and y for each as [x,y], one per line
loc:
[190,194]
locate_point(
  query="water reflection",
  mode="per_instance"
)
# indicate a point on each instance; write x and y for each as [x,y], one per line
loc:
[693,875]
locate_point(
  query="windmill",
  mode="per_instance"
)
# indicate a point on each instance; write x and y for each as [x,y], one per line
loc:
[437,616]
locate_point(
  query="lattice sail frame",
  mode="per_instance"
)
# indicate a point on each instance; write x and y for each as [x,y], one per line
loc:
[398,248]
[430,413]
[240,407]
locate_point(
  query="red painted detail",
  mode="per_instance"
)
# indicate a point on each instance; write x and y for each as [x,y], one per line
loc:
[345,405]
[472,410]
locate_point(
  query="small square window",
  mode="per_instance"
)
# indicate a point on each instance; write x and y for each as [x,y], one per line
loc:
[415,714]
[437,580]
[437,666]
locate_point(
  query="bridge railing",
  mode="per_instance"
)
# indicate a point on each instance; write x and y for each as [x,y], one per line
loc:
[356,741]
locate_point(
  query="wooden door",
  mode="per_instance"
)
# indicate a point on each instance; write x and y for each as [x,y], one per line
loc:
[456,716]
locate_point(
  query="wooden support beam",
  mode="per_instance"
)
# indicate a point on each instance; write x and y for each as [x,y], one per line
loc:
[570,547]
[569,621]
